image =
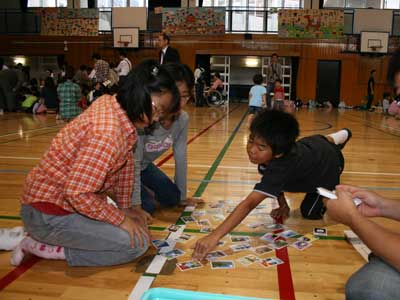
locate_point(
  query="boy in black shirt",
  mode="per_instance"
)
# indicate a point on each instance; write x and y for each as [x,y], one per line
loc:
[286,165]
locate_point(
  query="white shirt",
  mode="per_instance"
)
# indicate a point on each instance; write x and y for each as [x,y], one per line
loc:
[164,50]
[124,67]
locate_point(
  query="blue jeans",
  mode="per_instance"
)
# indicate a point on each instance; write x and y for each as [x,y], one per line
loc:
[270,89]
[375,280]
[86,242]
[166,192]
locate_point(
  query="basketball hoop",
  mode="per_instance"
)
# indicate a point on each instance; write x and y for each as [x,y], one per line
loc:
[375,48]
[123,44]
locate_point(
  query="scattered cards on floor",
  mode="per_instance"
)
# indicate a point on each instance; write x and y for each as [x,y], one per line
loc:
[173,228]
[189,265]
[248,259]
[215,255]
[204,222]
[260,250]
[160,243]
[301,245]
[269,237]
[320,231]
[183,238]
[240,247]
[287,234]
[279,244]
[239,239]
[188,219]
[270,262]
[205,229]
[222,264]
[173,254]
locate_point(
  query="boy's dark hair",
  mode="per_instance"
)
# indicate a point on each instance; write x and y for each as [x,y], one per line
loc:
[372,71]
[277,128]
[386,95]
[216,74]
[274,54]
[134,95]
[49,83]
[122,53]
[165,37]
[258,79]
[278,80]
[96,56]
[69,72]
[181,72]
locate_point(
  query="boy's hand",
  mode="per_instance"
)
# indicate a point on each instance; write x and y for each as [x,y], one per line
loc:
[204,246]
[280,212]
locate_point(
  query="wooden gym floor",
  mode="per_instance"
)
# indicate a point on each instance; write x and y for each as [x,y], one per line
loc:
[218,170]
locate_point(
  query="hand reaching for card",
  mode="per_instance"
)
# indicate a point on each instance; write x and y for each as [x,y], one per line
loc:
[280,212]
[204,246]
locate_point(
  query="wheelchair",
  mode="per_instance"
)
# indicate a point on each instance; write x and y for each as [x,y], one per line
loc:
[216,98]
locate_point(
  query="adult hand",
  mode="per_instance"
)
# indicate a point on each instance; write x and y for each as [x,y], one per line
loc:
[341,209]
[372,204]
[204,246]
[136,212]
[135,229]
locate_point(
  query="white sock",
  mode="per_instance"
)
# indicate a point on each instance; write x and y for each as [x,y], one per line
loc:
[11,237]
[340,136]
[29,245]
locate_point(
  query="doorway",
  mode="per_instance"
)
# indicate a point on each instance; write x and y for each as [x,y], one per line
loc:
[328,81]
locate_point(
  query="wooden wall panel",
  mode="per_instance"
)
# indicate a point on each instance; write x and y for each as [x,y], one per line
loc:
[354,75]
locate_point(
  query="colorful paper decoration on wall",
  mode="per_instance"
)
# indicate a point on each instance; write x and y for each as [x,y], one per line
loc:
[69,22]
[199,20]
[311,23]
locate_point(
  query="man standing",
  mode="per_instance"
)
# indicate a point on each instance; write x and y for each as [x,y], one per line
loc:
[167,53]
[371,88]
[274,72]
[123,67]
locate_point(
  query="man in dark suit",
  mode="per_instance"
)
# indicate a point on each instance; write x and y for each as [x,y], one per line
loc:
[167,53]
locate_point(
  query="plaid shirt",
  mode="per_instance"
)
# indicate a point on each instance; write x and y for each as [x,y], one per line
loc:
[102,69]
[89,156]
[69,94]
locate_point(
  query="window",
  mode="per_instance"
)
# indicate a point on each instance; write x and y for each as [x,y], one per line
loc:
[256,21]
[47,3]
[377,4]
[394,4]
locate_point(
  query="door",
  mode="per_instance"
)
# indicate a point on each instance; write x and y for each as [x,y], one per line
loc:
[328,81]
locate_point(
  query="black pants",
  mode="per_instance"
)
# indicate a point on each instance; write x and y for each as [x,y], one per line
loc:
[370,98]
[312,207]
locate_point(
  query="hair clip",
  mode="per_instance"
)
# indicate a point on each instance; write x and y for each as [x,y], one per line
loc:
[155,70]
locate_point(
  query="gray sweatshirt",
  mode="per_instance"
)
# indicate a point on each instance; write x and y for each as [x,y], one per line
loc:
[149,147]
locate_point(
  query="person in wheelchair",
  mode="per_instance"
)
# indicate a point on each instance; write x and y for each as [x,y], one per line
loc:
[215,92]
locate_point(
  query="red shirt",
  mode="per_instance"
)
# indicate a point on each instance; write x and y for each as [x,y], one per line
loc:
[88,157]
[279,93]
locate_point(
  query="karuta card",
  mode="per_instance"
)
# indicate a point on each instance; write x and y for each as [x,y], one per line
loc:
[239,239]
[199,213]
[279,244]
[173,228]
[301,245]
[173,253]
[255,225]
[287,234]
[269,237]
[309,237]
[218,218]
[183,238]
[248,259]
[275,226]
[270,262]
[240,247]
[188,219]
[216,205]
[205,229]
[220,243]
[204,222]
[260,250]
[160,243]
[320,231]
[222,264]
[215,255]
[189,265]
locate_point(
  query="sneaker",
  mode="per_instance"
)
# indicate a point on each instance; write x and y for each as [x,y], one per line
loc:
[11,237]
[349,135]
